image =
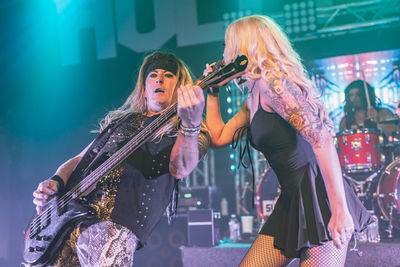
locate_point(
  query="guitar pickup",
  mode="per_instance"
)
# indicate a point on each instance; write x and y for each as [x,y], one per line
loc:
[39,248]
[61,206]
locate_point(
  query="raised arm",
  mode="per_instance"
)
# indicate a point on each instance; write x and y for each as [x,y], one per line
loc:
[221,133]
[287,99]
[189,145]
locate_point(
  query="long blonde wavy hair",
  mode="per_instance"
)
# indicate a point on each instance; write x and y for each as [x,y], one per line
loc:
[137,103]
[270,53]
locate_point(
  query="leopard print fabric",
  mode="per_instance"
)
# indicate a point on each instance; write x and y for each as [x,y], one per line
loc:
[101,235]
[106,244]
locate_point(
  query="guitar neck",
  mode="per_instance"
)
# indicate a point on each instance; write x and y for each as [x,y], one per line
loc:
[217,78]
[124,152]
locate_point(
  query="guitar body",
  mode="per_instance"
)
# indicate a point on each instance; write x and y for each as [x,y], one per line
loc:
[46,234]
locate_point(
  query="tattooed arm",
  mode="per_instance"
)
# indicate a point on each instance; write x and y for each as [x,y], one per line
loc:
[287,99]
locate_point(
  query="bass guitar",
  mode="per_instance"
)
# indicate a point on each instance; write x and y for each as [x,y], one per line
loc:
[46,232]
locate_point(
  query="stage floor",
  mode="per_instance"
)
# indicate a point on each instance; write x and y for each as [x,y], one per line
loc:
[230,254]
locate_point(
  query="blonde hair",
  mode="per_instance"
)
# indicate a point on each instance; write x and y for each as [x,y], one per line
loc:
[270,53]
[137,103]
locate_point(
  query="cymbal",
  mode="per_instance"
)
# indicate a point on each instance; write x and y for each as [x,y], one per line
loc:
[390,121]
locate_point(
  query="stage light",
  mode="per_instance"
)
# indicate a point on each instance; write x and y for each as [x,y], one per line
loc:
[342,97]
[229,110]
[300,17]
[232,156]
[229,99]
[372,62]
[378,93]
[233,167]
[385,95]
[230,17]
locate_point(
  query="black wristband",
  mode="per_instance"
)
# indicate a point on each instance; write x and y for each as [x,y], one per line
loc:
[213,91]
[59,181]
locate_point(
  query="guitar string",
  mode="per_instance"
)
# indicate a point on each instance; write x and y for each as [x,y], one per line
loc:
[109,163]
[106,165]
[69,196]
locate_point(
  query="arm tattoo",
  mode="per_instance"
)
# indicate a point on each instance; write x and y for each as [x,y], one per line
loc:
[287,99]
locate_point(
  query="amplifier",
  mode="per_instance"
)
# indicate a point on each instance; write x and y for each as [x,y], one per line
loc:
[201,228]
[198,197]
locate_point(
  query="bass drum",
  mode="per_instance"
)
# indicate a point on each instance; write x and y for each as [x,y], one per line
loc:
[388,193]
[268,190]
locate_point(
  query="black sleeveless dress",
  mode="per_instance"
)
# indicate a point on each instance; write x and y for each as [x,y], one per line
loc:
[302,212]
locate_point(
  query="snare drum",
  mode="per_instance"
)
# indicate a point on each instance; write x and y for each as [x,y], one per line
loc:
[388,193]
[359,150]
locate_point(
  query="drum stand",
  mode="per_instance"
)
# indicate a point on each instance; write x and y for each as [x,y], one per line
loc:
[362,188]
[389,230]
[363,191]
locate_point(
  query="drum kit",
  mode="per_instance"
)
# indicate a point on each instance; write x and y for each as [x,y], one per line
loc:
[371,165]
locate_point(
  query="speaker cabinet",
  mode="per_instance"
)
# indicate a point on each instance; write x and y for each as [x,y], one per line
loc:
[201,228]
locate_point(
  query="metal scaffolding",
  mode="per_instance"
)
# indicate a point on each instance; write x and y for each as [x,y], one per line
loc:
[346,18]
[204,173]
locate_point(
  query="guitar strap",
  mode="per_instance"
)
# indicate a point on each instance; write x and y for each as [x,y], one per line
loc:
[98,143]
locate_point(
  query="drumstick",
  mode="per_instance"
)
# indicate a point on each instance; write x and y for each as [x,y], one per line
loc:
[366,93]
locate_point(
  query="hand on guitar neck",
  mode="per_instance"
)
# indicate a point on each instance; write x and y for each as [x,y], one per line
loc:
[47,189]
[44,192]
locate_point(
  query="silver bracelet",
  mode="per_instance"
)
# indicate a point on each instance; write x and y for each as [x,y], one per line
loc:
[189,131]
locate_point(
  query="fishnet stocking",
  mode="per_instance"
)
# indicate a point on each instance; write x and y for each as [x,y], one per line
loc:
[262,253]
[326,256]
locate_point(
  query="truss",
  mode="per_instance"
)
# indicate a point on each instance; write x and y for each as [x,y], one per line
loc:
[350,18]
[204,173]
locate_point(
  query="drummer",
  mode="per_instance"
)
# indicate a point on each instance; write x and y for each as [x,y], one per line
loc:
[359,115]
